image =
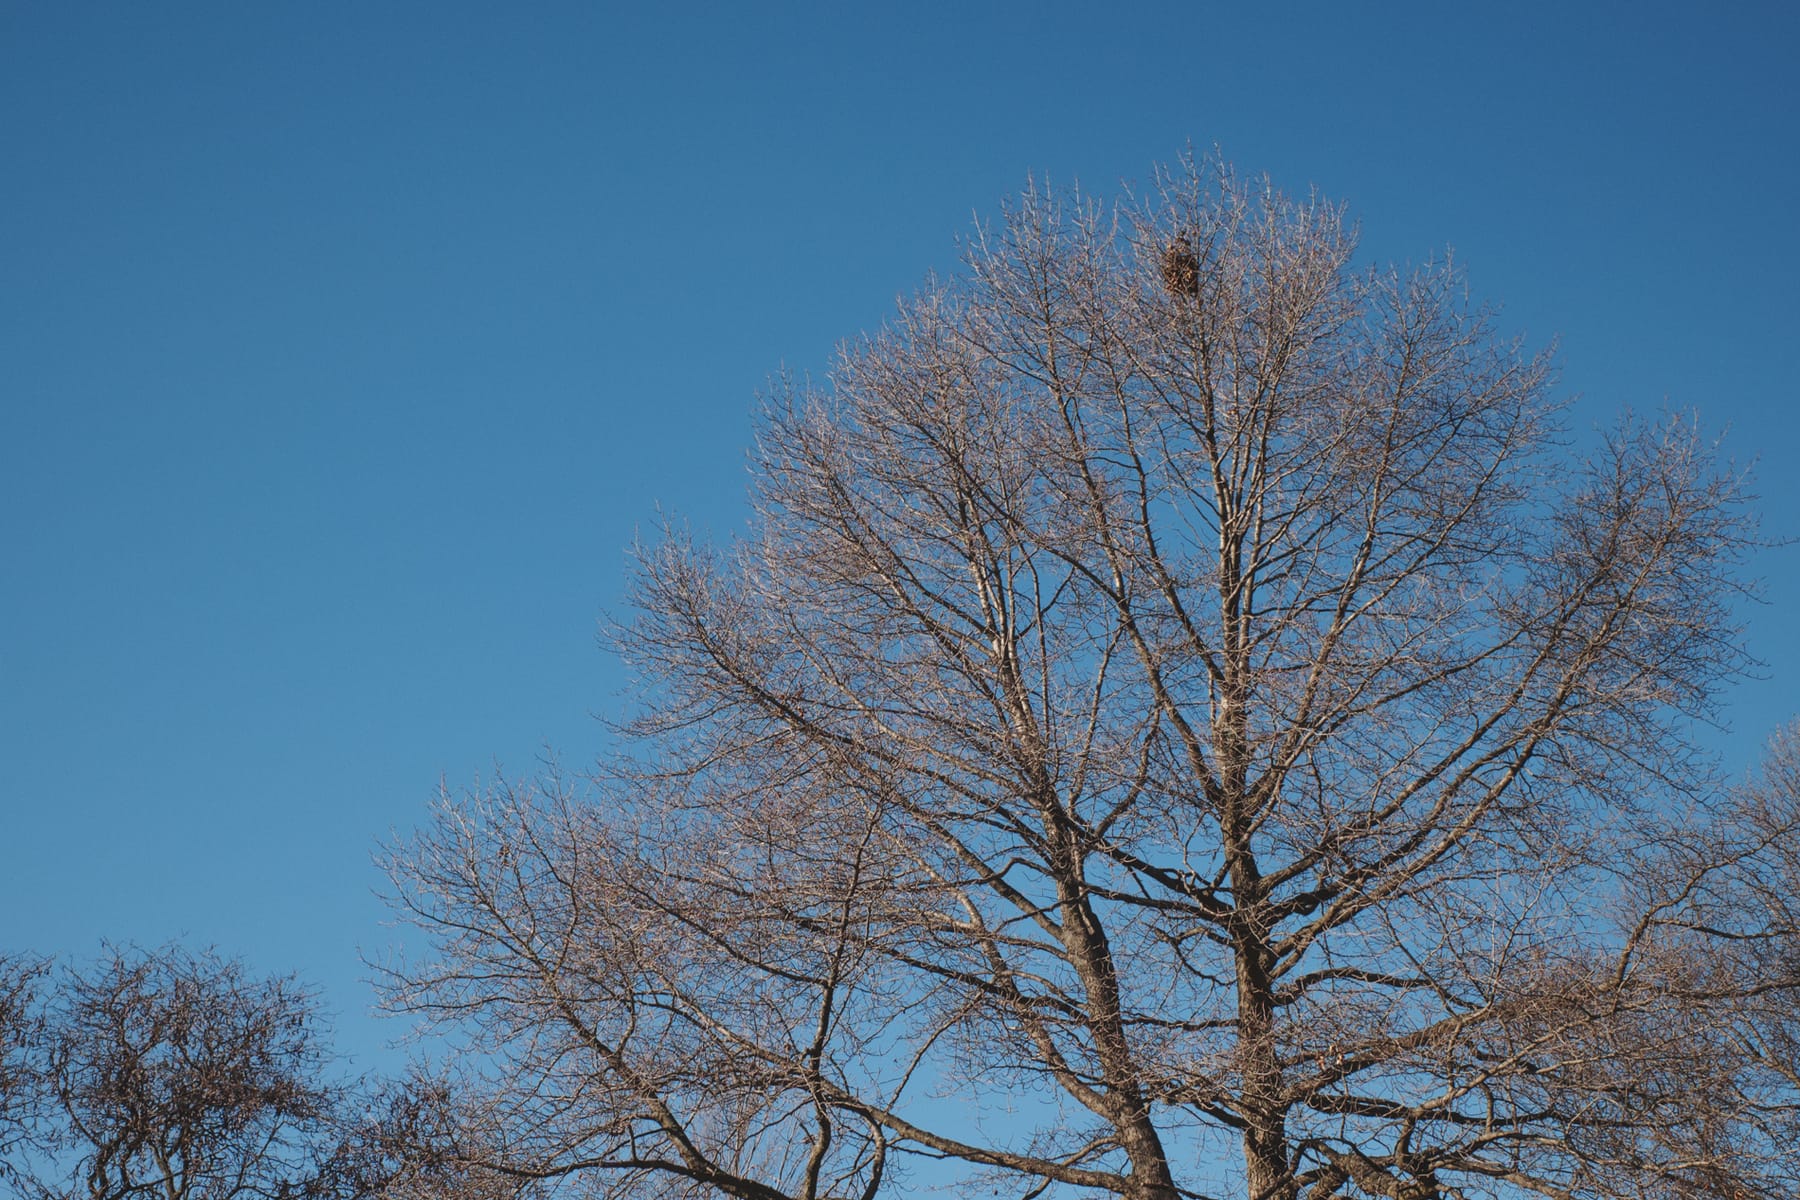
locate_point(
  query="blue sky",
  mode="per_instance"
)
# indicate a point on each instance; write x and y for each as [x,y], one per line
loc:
[344,348]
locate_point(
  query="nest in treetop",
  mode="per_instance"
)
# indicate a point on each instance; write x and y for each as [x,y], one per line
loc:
[1180,270]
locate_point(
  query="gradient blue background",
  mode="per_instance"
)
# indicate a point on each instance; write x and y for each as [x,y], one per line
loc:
[344,348]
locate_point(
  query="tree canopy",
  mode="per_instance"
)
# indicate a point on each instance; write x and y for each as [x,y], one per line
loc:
[1186,720]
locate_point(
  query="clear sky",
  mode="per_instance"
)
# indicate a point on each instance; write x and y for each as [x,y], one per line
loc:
[345,347]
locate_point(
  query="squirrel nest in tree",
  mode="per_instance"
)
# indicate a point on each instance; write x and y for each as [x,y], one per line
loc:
[1180,270]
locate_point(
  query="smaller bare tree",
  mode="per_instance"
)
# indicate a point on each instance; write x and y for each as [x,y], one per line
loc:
[166,1073]
[19,1022]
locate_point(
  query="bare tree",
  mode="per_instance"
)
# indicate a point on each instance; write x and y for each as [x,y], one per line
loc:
[1165,737]
[19,1026]
[173,1075]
